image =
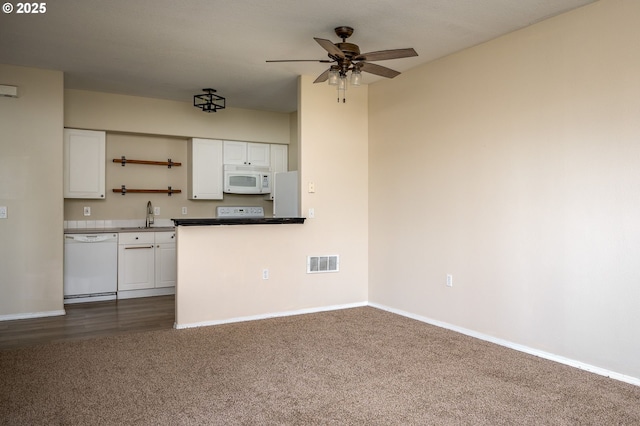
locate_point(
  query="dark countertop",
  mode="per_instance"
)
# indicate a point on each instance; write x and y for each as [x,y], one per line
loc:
[238,221]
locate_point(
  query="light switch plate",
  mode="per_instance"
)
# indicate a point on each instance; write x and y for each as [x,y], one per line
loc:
[156,211]
[3,212]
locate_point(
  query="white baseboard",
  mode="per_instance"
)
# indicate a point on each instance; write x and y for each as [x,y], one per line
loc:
[516,346]
[271,315]
[89,299]
[132,294]
[31,315]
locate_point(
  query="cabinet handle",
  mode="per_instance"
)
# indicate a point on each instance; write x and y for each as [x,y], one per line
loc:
[137,248]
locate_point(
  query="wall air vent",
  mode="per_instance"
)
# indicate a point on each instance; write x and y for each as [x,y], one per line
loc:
[320,264]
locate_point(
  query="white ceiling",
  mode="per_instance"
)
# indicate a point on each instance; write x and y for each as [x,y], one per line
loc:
[172,49]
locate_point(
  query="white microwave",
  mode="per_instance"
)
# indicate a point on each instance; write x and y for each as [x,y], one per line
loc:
[246,180]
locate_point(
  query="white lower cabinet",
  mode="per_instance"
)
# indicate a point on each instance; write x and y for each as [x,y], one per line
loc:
[166,271]
[136,260]
[146,264]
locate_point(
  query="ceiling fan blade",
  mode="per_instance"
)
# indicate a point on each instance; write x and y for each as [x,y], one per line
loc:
[382,55]
[324,61]
[330,47]
[378,70]
[323,77]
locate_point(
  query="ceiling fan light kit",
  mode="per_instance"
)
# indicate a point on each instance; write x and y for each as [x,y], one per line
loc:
[209,101]
[346,57]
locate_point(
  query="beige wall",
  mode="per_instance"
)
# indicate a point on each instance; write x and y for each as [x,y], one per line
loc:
[220,267]
[31,187]
[518,164]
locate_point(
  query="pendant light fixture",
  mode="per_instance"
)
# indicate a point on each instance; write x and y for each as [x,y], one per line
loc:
[209,101]
[338,78]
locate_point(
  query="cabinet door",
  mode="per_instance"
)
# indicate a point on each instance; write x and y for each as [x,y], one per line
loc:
[204,172]
[279,158]
[258,154]
[279,163]
[84,164]
[136,269]
[235,153]
[136,262]
[166,271]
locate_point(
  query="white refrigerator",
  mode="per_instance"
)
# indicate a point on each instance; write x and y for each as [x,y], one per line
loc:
[286,197]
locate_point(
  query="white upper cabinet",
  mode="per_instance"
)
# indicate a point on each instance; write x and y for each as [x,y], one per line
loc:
[84,163]
[204,172]
[279,158]
[258,154]
[279,163]
[246,153]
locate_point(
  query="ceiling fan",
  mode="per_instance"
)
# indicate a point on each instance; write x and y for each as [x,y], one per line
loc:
[346,57]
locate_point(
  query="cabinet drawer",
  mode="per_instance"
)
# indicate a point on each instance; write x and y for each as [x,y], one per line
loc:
[135,238]
[165,237]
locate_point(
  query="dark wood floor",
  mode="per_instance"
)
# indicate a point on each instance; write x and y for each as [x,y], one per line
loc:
[88,320]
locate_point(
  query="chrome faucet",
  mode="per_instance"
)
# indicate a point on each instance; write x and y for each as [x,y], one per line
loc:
[149,220]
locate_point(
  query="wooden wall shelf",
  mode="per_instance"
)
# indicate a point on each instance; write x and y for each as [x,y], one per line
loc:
[124,190]
[167,163]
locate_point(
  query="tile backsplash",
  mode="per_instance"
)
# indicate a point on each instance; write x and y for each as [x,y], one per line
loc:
[109,224]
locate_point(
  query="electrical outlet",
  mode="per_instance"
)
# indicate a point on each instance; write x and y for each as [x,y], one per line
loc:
[156,211]
[449,280]
[312,187]
[265,274]
[3,212]
[312,213]
[184,210]
[86,211]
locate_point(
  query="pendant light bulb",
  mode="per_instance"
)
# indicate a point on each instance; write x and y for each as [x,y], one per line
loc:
[342,83]
[333,77]
[356,77]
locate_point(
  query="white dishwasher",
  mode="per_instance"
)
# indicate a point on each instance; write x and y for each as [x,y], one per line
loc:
[90,267]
